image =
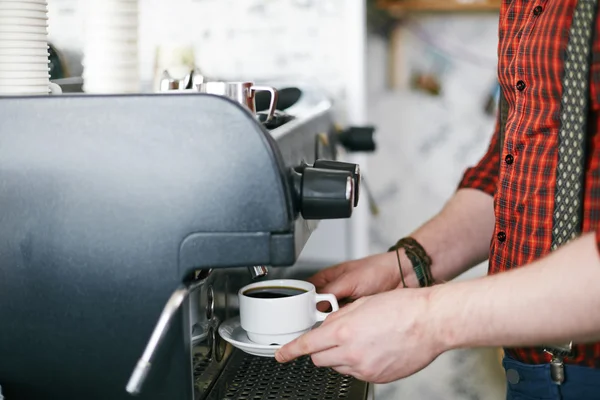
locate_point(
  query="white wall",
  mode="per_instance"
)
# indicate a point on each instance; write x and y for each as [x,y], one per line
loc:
[233,39]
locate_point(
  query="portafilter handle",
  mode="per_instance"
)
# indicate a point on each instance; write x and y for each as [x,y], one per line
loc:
[258,272]
[144,364]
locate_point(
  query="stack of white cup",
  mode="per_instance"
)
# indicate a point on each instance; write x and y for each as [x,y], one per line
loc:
[110,63]
[24,66]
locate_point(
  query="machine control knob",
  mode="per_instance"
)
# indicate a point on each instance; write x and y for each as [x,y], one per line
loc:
[326,194]
[358,139]
[353,169]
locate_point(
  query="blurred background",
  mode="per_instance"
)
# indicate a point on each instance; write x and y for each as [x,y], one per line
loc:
[423,72]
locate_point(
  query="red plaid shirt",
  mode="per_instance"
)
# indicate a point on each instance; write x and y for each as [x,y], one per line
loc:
[533,38]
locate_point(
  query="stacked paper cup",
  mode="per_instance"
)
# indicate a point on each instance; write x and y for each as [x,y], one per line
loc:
[111,47]
[24,48]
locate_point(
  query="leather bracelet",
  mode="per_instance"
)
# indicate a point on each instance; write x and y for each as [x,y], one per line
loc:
[399,267]
[419,259]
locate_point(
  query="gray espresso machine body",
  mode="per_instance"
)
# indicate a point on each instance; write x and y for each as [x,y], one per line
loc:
[108,204]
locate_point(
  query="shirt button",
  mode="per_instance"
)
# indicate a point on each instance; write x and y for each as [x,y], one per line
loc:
[501,237]
[538,10]
[521,86]
[509,159]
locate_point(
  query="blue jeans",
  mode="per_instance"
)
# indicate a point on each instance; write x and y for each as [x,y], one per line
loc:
[529,382]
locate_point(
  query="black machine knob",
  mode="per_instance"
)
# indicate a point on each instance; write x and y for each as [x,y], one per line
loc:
[353,169]
[358,139]
[326,194]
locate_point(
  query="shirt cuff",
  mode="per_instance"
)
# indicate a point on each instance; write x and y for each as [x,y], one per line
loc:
[476,178]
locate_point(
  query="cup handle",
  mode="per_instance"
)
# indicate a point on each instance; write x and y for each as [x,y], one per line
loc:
[54,88]
[273,103]
[330,298]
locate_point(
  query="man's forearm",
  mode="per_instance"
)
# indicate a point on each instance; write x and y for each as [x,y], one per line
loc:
[457,238]
[553,300]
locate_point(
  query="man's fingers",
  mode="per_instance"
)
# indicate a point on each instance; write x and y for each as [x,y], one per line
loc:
[334,316]
[317,340]
[344,370]
[342,288]
[335,357]
[323,277]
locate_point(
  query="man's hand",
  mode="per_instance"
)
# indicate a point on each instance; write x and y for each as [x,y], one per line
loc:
[377,339]
[395,334]
[354,279]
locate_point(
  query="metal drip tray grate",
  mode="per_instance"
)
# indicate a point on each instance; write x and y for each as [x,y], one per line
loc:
[249,377]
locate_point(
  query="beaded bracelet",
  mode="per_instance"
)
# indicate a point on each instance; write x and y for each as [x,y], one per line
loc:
[419,259]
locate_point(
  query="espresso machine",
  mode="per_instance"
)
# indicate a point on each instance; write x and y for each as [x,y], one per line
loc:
[129,222]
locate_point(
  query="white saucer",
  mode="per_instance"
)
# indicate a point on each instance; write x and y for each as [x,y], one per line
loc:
[231,331]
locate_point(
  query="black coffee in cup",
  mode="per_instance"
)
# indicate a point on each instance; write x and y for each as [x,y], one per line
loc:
[273,292]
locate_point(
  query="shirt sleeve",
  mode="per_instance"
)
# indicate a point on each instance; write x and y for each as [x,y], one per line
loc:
[484,175]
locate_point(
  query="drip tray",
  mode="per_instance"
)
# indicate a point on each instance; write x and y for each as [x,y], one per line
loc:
[248,377]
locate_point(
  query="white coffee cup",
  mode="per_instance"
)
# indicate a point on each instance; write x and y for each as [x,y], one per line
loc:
[283,319]
[30,90]
[105,28]
[25,36]
[118,51]
[23,29]
[122,10]
[95,61]
[116,36]
[21,52]
[39,81]
[22,45]
[16,5]
[42,14]
[15,64]
[24,74]
[111,88]
[23,21]
[27,2]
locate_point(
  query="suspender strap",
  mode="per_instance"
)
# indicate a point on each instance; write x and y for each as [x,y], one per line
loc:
[572,136]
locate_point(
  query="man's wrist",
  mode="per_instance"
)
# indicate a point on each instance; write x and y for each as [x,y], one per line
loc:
[445,317]
[418,258]
[408,272]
